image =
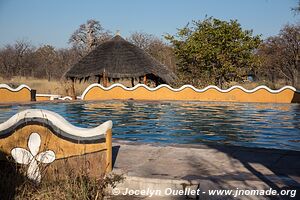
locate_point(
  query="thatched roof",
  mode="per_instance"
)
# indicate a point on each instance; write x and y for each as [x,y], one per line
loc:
[118,58]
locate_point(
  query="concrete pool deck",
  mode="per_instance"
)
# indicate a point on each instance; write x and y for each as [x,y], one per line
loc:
[205,166]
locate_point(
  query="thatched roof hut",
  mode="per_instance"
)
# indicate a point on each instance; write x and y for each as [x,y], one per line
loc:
[120,59]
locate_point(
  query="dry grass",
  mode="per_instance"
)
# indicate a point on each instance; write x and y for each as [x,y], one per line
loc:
[43,86]
[15,186]
[77,188]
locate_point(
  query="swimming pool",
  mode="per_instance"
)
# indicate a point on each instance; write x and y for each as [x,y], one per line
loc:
[241,124]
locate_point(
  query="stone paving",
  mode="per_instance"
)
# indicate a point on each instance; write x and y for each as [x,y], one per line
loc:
[205,167]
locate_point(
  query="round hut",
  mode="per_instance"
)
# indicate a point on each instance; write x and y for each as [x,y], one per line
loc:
[120,59]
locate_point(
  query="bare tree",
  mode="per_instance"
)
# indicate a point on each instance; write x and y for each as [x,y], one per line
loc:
[280,55]
[89,35]
[22,59]
[155,47]
[47,57]
[7,62]
[163,53]
[290,39]
[15,60]
[270,56]
[142,40]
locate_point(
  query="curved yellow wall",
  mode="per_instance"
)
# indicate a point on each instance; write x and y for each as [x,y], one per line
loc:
[17,95]
[236,94]
[61,147]
[50,140]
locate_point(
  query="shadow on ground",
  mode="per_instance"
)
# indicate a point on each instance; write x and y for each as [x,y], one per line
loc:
[265,169]
[213,167]
[11,179]
[115,151]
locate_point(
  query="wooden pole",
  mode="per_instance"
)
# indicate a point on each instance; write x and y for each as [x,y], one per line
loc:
[145,79]
[73,93]
[33,95]
[104,80]
[108,141]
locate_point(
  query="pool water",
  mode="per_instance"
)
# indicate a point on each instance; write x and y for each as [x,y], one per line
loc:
[242,124]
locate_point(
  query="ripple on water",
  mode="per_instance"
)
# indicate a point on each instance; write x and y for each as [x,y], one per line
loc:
[243,124]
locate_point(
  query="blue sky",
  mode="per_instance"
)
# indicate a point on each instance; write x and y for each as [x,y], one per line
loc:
[52,22]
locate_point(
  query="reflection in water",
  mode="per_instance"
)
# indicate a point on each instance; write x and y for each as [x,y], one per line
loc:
[253,125]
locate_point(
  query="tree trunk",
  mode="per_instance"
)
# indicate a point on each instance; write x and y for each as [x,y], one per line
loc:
[273,79]
[221,80]
[295,79]
[73,93]
[145,79]
[105,82]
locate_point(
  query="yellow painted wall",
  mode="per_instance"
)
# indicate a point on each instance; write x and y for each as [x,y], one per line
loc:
[188,94]
[42,98]
[95,159]
[50,141]
[22,95]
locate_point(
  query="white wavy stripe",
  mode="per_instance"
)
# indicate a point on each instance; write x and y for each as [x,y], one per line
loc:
[186,86]
[14,89]
[65,98]
[58,121]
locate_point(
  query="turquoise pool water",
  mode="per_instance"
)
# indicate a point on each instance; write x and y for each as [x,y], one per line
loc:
[250,125]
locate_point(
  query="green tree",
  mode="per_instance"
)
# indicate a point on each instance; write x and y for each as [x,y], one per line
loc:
[213,51]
